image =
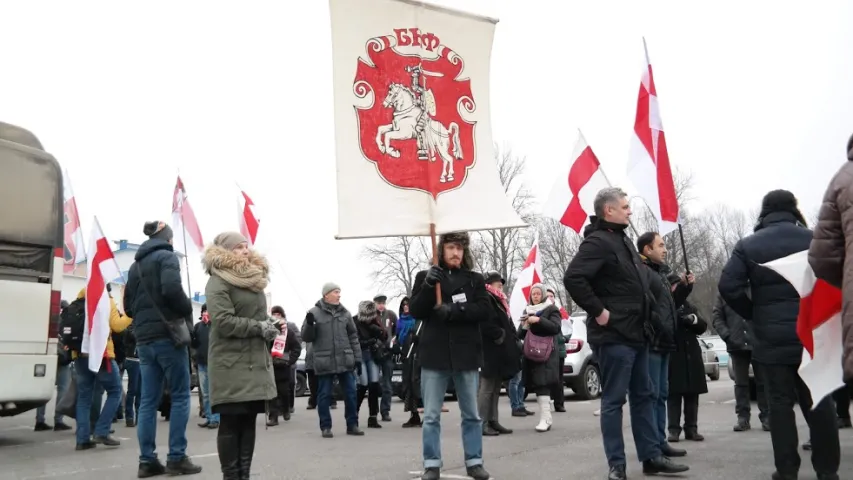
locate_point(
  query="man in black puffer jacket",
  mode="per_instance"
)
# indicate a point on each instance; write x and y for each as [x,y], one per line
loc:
[153,296]
[765,298]
[668,299]
[451,348]
[737,334]
[607,279]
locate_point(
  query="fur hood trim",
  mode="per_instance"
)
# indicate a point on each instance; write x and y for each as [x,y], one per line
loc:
[250,272]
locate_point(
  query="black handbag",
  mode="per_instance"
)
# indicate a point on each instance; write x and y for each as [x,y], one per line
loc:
[178,330]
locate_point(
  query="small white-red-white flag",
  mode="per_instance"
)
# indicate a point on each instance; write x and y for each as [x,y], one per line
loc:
[531,274]
[101,269]
[818,325]
[648,162]
[184,224]
[75,251]
[249,222]
[571,199]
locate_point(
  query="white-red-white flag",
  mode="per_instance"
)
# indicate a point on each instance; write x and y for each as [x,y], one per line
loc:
[818,325]
[75,251]
[648,163]
[571,199]
[249,222]
[101,269]
[184,224]
[531,274]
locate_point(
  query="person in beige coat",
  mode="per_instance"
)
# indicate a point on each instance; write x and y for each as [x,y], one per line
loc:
[831,250]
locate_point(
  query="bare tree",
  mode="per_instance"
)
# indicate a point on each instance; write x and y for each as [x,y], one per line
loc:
[504,249]
[396,261]
[557,245]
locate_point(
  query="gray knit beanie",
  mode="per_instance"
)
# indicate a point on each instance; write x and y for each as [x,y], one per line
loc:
[330,287]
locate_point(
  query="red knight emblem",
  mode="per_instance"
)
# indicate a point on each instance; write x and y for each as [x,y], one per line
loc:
[413,130]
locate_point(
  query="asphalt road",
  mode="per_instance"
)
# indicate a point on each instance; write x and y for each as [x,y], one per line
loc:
[295,450]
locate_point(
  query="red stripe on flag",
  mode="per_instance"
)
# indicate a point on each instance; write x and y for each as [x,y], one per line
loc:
[582,170]
[816,308]
[251,222]
[96,282]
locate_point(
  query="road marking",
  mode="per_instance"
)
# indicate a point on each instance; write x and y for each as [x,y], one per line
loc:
[446,475]
[729,402]
[205,455]
[18,427]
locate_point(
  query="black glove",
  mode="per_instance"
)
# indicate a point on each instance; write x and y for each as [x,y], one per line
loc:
[309,318]
[358,368]
[396,349]
[441,312]
[433,276]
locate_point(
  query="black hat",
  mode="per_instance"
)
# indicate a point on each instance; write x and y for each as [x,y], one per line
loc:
[380,298]
[493,277]
[158,229]
[781,201]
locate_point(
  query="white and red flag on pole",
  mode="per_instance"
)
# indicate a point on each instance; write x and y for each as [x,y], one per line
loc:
[818,325]
[249,222]
[571,199]
[648,163]
[184,224]
[101,269]
[75,251]
[531,274]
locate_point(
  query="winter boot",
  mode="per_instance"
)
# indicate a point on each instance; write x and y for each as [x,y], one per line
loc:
[742,425]
[544,413]
[372,422]
[229,456]
[414,420]
[247,451]
[360,394]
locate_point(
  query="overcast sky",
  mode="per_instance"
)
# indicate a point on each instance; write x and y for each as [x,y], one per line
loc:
[754,96]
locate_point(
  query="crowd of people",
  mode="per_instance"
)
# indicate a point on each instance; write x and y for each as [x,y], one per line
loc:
[457,327]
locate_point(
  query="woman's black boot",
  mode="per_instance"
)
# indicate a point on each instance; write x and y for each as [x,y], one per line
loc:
[228,445]
[247,447]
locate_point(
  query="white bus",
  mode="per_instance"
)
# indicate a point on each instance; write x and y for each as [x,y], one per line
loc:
[31,267]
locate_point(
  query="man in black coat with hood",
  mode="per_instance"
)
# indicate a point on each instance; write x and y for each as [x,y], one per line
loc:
[607,279]
[451,347]
[767,300]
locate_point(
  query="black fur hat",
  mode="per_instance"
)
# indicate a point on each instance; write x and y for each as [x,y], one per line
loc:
[461,238]
[781,201]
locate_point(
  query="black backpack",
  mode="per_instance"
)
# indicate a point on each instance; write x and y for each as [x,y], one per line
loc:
[71,324]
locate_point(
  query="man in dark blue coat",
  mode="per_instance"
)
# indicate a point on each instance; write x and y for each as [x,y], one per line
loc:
[764,298]
[154,296]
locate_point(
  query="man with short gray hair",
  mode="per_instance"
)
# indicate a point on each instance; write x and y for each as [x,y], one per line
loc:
[615,296]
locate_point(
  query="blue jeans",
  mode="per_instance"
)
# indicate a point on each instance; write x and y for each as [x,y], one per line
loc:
[370,370]
[625,370]
[659,375]
[324,399]
[63,379]
[134,386]
[433,390]
[515,391]
[387,367]
[161,361]
[109,379]
[204,385]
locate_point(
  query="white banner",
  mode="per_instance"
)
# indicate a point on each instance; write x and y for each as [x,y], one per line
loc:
[412,120]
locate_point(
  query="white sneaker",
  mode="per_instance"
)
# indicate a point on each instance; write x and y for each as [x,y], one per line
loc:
[545,419]
[597,413]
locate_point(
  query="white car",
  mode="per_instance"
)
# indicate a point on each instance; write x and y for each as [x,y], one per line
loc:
[581,373]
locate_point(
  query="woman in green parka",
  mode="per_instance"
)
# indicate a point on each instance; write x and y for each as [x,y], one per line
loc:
[239,363]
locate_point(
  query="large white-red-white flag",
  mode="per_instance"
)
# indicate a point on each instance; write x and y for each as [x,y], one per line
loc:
[648,163]
[571,199]
[187,234]
[249,222]
[75,251]
[101,269]
[818,325]
[531,274]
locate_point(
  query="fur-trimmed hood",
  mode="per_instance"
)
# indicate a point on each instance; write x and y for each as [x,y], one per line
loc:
[456,237]
[250,272]
[367,311]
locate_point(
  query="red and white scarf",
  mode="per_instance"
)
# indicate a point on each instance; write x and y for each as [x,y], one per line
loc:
[501,296]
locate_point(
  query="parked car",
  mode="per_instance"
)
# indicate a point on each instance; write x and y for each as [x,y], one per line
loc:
[753,387]
[397,380]
[301,377]
[581,372]
[719,346]
[712,361]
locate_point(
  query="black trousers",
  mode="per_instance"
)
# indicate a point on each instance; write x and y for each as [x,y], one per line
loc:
[235,442]
[740,364]
[558,393]
[313,385]
[842,401]
[784,389]
[284,389]
[691,412]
